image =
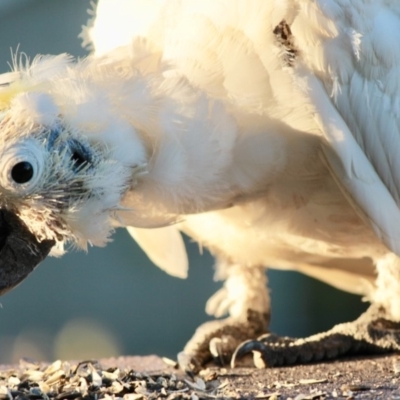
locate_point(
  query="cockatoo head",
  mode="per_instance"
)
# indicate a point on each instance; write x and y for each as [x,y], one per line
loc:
[64,163]
[52,176]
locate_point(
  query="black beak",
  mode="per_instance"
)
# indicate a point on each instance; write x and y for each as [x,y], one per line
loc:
[20,252]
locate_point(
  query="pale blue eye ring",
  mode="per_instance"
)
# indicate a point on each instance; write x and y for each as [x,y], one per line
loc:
[21,166]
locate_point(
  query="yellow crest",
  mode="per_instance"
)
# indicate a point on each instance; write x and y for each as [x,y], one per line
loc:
[7,93]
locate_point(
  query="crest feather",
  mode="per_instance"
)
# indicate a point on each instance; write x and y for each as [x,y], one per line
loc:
[7,93]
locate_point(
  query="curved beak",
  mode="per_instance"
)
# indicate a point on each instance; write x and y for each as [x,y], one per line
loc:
[20,251]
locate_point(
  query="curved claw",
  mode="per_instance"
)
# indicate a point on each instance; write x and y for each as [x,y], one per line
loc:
[247,347]
[275,351]
[189,363]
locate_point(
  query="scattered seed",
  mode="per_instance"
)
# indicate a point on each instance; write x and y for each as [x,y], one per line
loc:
[198,384]
[396,366]
[279,385]
[25,363]
[88,381]
[5,393]
[170,363]
[224,384]
[269,396]
[32,375]
[111,376]
[52,368]
[68,395]
[311,381]
[312,396]
[116,387]
[55,377]
[133,396]
[13,381]
[44,387]
[355,388]
[96,379]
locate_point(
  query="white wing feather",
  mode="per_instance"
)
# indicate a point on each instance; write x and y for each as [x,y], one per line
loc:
[355,173]
[165,247]
[350,47]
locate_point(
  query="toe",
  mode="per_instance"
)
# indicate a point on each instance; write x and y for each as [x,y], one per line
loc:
[189,363]
[247,347]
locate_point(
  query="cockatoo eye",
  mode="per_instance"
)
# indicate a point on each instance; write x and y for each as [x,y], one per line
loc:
[22,172]
[21,166]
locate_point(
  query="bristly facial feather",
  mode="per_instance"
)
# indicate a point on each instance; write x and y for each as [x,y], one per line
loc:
[61,182]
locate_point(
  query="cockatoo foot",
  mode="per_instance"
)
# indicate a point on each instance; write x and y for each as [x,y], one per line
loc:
[371,333]
[217,340]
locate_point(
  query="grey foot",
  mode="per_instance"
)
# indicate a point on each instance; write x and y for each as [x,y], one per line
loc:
[371,333]
[217,340]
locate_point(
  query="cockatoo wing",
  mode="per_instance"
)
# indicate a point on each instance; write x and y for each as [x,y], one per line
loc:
[223,47]
[165,248]
[352,69]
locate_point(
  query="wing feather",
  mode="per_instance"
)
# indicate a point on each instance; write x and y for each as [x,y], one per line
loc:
[357,61]
[165,247]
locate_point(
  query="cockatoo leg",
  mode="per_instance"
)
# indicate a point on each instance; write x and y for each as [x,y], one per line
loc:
[371,333]
[245,297]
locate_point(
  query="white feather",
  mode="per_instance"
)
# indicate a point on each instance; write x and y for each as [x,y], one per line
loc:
[165,248]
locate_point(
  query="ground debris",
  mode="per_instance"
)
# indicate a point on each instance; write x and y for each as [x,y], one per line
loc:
[311,381]
[149,378]
[88,380]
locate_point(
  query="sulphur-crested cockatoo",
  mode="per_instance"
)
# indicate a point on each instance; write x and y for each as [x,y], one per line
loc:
[268,131]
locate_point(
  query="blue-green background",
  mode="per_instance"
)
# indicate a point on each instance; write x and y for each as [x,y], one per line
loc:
[116,290]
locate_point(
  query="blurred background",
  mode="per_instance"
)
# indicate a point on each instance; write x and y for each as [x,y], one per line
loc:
[113,301]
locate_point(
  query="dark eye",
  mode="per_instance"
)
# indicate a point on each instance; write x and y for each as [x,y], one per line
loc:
[22,172]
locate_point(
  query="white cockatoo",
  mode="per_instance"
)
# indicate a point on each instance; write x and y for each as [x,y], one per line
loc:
[268,131]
